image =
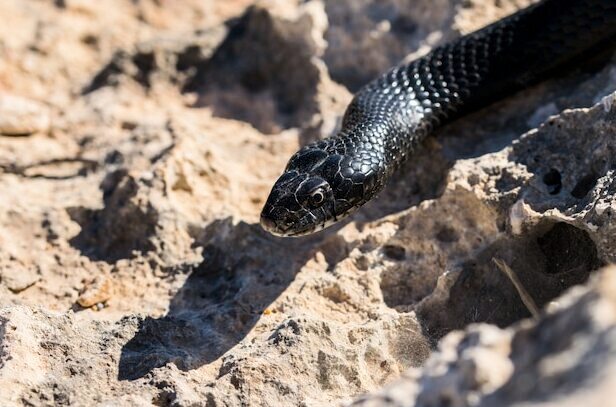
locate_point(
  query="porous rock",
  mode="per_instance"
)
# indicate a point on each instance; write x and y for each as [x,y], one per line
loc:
[525,364]
[133,270]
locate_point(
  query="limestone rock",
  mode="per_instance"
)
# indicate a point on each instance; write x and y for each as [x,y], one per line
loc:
[133,270]
[20,116]
[527,364]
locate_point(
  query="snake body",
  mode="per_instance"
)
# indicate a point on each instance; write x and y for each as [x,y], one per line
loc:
[329,179]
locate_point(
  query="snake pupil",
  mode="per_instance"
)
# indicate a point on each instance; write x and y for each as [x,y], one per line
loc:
[317,197]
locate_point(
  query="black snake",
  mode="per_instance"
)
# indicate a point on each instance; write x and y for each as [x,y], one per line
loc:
[327,180]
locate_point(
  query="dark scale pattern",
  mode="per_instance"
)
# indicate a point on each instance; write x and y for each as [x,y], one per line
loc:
[390,116]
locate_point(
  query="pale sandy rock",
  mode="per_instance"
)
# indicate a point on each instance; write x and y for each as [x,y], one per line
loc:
[20,116]
[16,277]
[142,203]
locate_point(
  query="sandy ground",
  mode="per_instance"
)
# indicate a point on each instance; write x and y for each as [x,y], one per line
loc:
[139,140]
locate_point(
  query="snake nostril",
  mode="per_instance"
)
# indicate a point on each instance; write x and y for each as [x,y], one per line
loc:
[268,223]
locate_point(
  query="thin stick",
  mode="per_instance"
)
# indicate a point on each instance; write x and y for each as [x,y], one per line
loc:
[526,298]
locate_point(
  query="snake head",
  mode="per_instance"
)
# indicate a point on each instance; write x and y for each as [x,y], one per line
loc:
[302,200]
[298,205]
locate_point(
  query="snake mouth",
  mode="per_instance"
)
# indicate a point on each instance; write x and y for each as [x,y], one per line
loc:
[297,234]
[282,229]
[276,223]
[303,232]
[271,227]
[295,228]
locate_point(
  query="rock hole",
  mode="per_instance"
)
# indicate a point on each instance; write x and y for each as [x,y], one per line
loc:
[584,186]
[404,25]
[447,235]
[394,252]
[189,58]
[145,63]
[553,180]
[335,294]
[335,250]
[568,250]
[403,285]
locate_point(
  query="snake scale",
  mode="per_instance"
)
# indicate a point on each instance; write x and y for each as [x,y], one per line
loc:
[387,118]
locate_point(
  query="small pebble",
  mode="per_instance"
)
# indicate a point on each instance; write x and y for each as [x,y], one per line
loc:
[96,293]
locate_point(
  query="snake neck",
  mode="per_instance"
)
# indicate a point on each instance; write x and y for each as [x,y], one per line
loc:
[390,116]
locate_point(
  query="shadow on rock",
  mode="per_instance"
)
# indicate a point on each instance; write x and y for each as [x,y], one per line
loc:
[125,224]
[243,271]
[262,73]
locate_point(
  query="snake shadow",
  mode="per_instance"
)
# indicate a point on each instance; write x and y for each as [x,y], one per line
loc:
[244,269]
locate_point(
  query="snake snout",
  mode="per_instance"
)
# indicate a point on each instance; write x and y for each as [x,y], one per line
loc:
[268,223]
[276,220]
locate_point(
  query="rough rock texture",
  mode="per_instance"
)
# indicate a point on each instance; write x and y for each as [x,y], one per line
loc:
[566,357]
[140,140]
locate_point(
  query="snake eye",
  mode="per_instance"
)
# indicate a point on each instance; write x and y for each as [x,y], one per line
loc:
[317,197]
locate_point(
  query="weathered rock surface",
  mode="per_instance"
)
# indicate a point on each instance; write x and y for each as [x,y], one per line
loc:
[133,270]
[566,357]
[20,116]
